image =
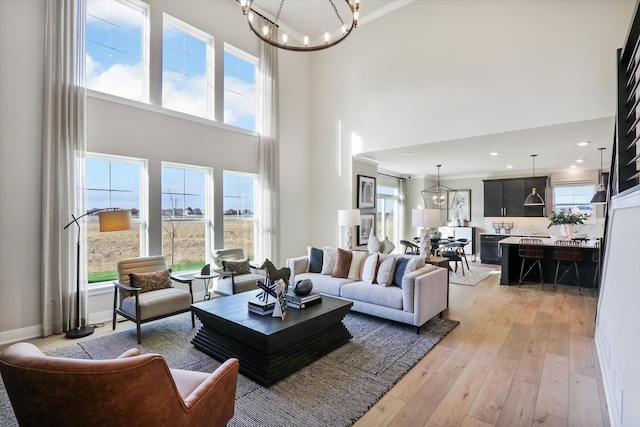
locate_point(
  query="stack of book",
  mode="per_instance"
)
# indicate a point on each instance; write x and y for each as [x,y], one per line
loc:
[259,306]
[298,302]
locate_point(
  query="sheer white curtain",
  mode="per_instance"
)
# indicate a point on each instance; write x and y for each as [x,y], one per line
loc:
[63,150]
[268,182]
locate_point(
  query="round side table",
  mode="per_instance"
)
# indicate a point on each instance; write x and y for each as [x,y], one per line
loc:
[206,278]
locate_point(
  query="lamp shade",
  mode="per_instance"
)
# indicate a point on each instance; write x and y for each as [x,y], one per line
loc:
[600,198]
[114,220]
[533,199]
[348,217]
[425,218]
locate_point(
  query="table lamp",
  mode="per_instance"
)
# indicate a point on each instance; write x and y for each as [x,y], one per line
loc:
[348,218]
[424,219]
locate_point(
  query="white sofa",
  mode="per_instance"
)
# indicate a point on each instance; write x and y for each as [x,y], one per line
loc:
[424,291]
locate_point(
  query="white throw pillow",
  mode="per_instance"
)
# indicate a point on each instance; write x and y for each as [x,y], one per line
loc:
[384,277]
[370,268]
[414,264]
[329,258]
[356,265]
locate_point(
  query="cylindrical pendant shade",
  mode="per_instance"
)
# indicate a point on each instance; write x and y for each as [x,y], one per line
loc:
[114,220]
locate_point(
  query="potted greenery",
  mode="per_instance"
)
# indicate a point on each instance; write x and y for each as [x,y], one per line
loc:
[567,220]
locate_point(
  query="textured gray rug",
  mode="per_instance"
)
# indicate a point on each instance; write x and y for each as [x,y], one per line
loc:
[335,390]
[472,276]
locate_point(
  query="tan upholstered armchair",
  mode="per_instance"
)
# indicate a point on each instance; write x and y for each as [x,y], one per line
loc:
[230,281]
[133,390]
[154,297]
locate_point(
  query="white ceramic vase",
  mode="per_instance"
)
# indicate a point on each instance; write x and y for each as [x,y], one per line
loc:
[567,230]
[374,243]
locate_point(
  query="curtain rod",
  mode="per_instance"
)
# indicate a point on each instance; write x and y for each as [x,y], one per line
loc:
[391,176]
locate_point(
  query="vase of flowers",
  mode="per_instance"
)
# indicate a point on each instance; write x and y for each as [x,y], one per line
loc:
[567,221]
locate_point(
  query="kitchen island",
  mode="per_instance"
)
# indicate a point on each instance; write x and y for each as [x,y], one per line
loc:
[511,263]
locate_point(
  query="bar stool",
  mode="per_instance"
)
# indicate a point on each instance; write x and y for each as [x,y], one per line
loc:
[531,251]
[567,253]
[596,259]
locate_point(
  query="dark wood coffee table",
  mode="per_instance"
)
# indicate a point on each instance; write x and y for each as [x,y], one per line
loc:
[269,348]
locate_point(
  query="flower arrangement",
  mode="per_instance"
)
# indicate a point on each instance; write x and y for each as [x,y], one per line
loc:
[565,217]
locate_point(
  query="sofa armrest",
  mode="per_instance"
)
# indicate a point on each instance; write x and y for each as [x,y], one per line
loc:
[430,294]
[297,265]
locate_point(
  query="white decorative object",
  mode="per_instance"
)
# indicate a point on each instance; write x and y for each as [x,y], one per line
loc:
[374,243]
[424,219]
[567,230]
[348,218]
[387,246]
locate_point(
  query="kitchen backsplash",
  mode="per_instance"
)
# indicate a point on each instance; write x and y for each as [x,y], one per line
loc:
[536,226]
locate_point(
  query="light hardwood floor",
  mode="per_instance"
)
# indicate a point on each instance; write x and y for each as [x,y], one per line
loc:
[520,357]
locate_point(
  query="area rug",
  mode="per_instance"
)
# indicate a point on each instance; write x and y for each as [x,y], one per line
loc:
[472,276]
[335,390]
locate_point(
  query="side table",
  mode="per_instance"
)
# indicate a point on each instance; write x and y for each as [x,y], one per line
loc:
[443,262]
[207,281]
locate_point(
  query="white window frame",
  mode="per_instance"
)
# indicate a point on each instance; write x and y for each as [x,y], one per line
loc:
[255,61]
[209,41]
[396,211]
[558,206]
[255,198]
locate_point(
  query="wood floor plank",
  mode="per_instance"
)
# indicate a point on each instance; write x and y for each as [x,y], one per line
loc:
[421,373]
[554,386]
[487,406]
[548,420]
[492,344]
[382,413]
[462,355]
[584,401]
[473,422]
[581,355]
[558,342]
[518,409]
[532,358]
[515,342]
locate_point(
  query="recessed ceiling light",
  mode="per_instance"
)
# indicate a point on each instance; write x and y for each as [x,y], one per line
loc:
[494,153]
[579,160]
[407,153]
[583,143]
[509,166]
[573,166]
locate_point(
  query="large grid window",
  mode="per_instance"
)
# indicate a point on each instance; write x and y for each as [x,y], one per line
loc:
[113,182]
[240,70]
[386,204]
[239,218]
[574,199]
[184,215]
[187,69]
[117,48]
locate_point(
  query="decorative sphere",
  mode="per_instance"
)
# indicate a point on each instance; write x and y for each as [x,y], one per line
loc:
[303,287]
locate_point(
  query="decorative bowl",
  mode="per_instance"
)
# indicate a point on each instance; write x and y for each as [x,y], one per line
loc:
[303,287]
[579,235]
[555,237]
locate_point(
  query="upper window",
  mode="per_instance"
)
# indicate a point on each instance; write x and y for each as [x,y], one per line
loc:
[187,70]
[116,46]
[239,218]
[112,182]
[184,215]
[575,199]
[240,70]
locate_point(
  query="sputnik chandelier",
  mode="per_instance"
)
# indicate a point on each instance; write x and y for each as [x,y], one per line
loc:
[267,25]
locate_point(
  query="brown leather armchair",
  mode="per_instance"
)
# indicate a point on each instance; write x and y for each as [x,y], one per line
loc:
[134,390]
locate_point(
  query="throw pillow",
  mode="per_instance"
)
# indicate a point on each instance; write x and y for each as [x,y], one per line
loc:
[329,257]
[384,276]
[401,265]
[238,267]
[356,264]
[370,268]
[315,260]
[343,262]
[414,264]
[151,281]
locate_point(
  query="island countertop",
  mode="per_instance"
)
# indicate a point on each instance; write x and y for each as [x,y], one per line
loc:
[545,242]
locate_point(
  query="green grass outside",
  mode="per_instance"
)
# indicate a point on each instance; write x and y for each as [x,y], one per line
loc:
[106,276]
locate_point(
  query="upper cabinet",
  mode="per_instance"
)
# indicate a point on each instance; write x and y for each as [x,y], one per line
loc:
[505,197]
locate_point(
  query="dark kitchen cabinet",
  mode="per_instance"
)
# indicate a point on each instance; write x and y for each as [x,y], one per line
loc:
[505,197]
[490,248]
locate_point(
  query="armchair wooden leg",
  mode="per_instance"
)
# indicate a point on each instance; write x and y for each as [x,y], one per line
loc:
[139,332]
[193,319]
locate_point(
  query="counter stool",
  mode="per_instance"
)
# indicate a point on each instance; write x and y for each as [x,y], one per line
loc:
[567,253]
[532,252]
[596,259]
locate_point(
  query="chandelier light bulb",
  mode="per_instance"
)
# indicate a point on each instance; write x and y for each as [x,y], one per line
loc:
[265,30]
[306,40]
[326,37]
[344,29]
[285,37]
[250,16]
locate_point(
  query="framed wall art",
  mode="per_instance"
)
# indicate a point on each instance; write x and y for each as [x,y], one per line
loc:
[459,203]
[367,222]
[366,192]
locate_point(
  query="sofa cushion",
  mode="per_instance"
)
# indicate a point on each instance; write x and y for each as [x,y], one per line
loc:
[370,268]
[356,265]
[238,267]
[343,263]
[323,283]
[401,266]
[386,267]
[151,281]
[329,258]
[315,260]
[384,296]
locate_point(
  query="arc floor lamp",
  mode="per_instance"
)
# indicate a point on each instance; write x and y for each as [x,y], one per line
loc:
[110,219]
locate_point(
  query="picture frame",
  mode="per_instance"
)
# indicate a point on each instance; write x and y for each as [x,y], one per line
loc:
[367,222]
[366,192]
[459,203]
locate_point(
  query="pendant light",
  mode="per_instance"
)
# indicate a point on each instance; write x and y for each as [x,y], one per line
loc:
[435,197]
[600,198]
[534,199]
